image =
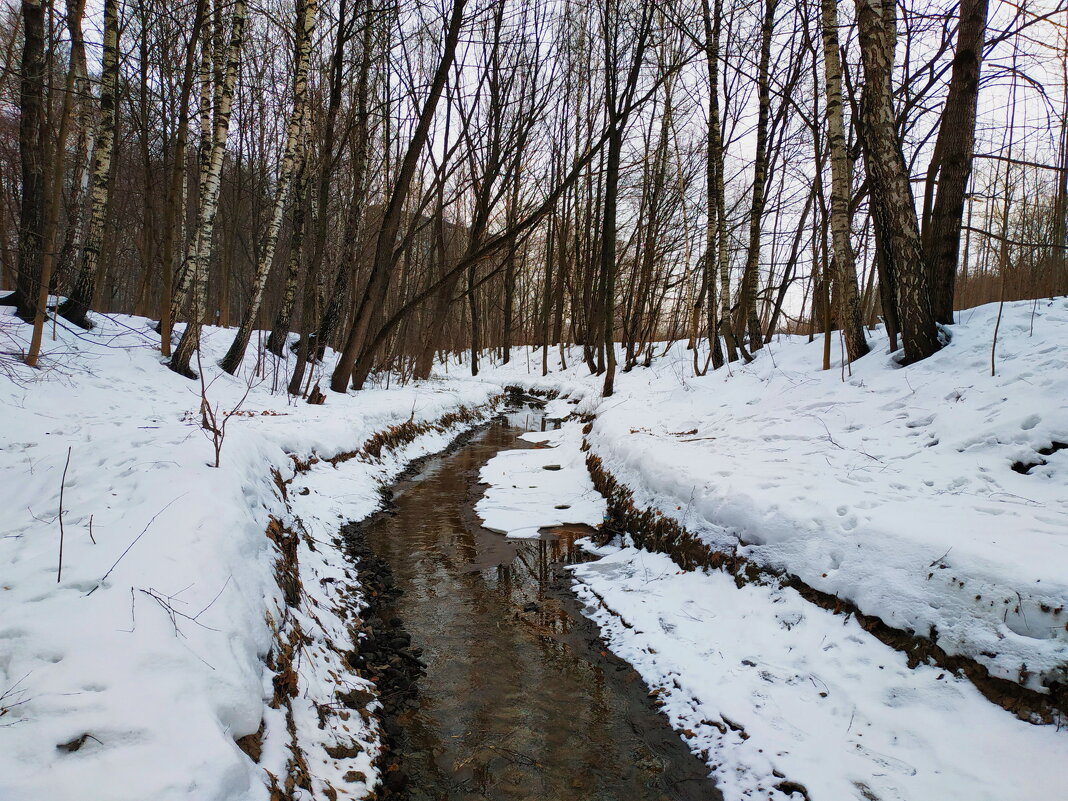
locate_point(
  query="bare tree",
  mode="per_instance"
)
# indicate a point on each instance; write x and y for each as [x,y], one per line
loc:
[292,156]
[889,179]
[200,246]
[951,164]
[31,155]
[80,300]
[841,188]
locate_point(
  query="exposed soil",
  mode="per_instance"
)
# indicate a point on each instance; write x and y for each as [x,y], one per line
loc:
[656,532]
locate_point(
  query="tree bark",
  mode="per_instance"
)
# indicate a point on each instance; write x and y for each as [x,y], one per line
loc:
[173,221]
[276,340]
[199,255]
[889,179]
[954,147]
[55,194]
[77,305]
[294,152]
[618,107]
[850,317]
[747,316]
[31,153]
[716,265]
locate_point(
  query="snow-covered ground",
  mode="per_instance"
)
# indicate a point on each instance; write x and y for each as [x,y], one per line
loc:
[778,694]
[131,675]
[541,487]
[891,487]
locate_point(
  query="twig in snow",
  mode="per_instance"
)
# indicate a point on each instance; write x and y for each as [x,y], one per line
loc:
[5,705]
[831,440]
[133,619]
[209,416]
[997,326]
[91,530]
[165,603]
[62,486]
[940,558]
[132,544]
[216,598]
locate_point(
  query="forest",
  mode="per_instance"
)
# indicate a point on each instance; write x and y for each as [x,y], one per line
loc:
[533,400]
[404,180]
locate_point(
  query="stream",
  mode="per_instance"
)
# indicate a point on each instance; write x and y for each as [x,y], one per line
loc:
[520,699]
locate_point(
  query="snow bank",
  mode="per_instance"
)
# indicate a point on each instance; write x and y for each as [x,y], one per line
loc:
[779,696]
[136,670]
[776,693]
[891,487]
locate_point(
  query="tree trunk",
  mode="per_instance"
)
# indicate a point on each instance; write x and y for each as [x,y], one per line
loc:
[889,179]
[294,152]
[346,264]
[83,127]
[850,317]
[747,316]
[476,319]
[77,305]
[173,220]
[55,194]
[389,228]
[618,107]
[954,146]
[31,152]
[199,255]
[276,340]
[716,250]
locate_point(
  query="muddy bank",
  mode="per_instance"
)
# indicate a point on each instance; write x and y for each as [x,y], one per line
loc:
[651,530]
[384,654]
[493,683]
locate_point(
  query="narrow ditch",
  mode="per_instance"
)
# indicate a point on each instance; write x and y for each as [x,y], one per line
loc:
[493,683]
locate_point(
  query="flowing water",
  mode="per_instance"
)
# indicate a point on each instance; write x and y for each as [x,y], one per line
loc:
[519,700]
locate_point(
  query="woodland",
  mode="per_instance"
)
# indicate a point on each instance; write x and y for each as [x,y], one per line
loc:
[405,180]
[533,400]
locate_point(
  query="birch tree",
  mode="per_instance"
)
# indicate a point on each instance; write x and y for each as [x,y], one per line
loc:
[889,178]
[294,152]
[80,300]
[198,255]
[173,222]
[841,188]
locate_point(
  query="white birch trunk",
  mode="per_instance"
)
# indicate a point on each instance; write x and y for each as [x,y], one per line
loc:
[306,14]
[199,255]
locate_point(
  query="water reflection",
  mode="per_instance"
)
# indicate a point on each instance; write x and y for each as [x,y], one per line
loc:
[516,703]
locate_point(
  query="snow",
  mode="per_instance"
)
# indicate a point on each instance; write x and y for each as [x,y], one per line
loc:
[775,692]
[153,642]
[541,487]
[890,487]
[770,688]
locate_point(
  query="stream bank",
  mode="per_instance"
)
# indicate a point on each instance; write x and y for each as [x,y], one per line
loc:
[493,683]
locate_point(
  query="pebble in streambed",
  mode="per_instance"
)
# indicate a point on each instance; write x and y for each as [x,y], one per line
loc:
[385,655]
